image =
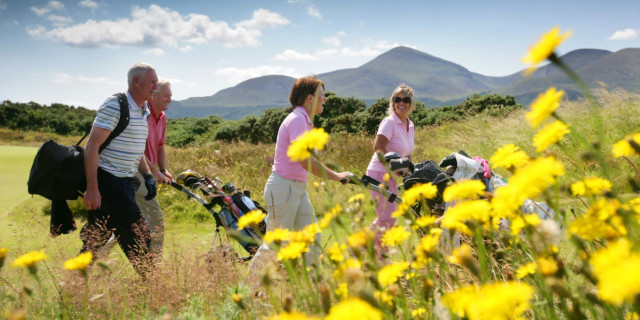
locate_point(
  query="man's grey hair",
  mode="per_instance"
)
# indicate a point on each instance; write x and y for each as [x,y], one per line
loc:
[162,83]
[138,70]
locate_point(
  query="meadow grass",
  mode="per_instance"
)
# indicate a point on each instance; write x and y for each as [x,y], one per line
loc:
[193,283]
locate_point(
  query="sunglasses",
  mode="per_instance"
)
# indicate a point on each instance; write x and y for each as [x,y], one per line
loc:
[405,100]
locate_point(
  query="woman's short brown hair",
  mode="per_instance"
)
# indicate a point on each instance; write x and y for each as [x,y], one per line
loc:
[302,88]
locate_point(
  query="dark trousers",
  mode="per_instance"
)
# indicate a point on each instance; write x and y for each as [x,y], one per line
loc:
[118,214]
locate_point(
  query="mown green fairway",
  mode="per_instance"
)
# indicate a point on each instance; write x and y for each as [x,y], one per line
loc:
[15,162]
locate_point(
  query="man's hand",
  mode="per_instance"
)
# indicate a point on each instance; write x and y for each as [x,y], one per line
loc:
[163,176]
[343,177]
[152,189]
[92,199]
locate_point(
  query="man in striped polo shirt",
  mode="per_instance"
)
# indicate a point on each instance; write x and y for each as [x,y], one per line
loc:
[111,186]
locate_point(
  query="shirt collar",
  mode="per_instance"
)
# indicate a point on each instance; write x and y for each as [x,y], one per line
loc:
[397,120]
[152,111]
[304,112]
[134,106]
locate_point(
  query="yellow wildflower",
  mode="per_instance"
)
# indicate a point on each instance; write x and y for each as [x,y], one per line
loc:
[469,189]
[277,236]
[589,227]
[491,301]
[547,265]
[549,135]
[293,315]
[357,198]
[508,156]
[353,308]
[418,312]
[616,268]
[252,218]
[461,255]
[342,291]
[426,246]
[425,221]
[519,222]
[29,260]
[3,252]
[360,239]
[335,252]
[349,264]
[416,194]
[544,105]
[395,236]
[307,235]
[300,149]
[544,48]
[390,274]
[292,251]
[384,297]
[591,186]
[472,210]
[525,270]
[80,262]
[329,215]
[623,147]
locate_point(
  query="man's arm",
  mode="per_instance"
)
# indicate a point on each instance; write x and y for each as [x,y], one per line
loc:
[92,198]
[162,164]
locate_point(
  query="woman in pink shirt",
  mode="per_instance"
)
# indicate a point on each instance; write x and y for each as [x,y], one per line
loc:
[285,194]
[395,134]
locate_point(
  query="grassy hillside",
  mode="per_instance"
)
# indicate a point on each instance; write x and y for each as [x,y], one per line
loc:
[186,287]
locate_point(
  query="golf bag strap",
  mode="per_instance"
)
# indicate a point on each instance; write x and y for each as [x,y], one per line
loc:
[123,121]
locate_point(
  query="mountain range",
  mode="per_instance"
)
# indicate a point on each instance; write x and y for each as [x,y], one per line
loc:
[436,81]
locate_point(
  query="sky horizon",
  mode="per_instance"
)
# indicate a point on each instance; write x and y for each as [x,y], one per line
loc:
[78,52]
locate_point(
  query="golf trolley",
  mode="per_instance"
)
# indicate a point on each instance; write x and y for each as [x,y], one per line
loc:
[231,205]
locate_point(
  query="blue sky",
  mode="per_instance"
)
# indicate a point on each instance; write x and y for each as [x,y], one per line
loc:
[78,52]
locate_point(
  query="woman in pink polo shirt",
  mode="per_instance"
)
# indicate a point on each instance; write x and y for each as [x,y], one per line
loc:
[285,194]
[395,134]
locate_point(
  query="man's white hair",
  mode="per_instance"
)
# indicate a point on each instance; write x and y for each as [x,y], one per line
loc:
[138,70]
[162,83]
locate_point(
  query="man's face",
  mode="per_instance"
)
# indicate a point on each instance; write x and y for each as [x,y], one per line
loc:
[162,98]
[147,84]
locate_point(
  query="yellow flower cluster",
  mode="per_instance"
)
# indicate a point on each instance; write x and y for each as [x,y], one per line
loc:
[300,149]
[395,236]
[277,236]
[472,210]
[354,308]
[508,156]
[491,301]
[591,186]
[600,222]
[544,48]
[616,268]
[391,273]
[416,194]
[623,148]
[550,134]
[80,262]
[29,259]
[544,105]
[468,189]
[252,218]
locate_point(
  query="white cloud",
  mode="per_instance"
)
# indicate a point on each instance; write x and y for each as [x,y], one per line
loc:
[157,26]
[67,78]
[37,32]
[59,21]
[332,41]
[342,33]
[366,51]
[295,55]
[186,48]
[154,52]
[384,45]
[625,34]
[88,4]
[313,11]
[327,52]
[237,75]
[52,5]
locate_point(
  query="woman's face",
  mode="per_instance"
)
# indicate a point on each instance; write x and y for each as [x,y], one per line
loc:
[320,101]
[401,105]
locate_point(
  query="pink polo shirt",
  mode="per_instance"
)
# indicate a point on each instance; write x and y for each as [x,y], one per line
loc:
[400,140]
[294,125]
[156,138]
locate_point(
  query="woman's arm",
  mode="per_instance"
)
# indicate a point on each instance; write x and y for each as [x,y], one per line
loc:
[320,169]
[380,144]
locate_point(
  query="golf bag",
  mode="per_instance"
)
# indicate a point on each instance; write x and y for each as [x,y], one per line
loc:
[231,205]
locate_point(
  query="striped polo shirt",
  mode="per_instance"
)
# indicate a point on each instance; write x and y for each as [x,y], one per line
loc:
[122,156]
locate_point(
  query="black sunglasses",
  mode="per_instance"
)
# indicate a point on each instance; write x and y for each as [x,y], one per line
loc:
[405,100]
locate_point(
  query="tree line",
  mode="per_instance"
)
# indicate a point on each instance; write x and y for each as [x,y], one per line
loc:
[340,114]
